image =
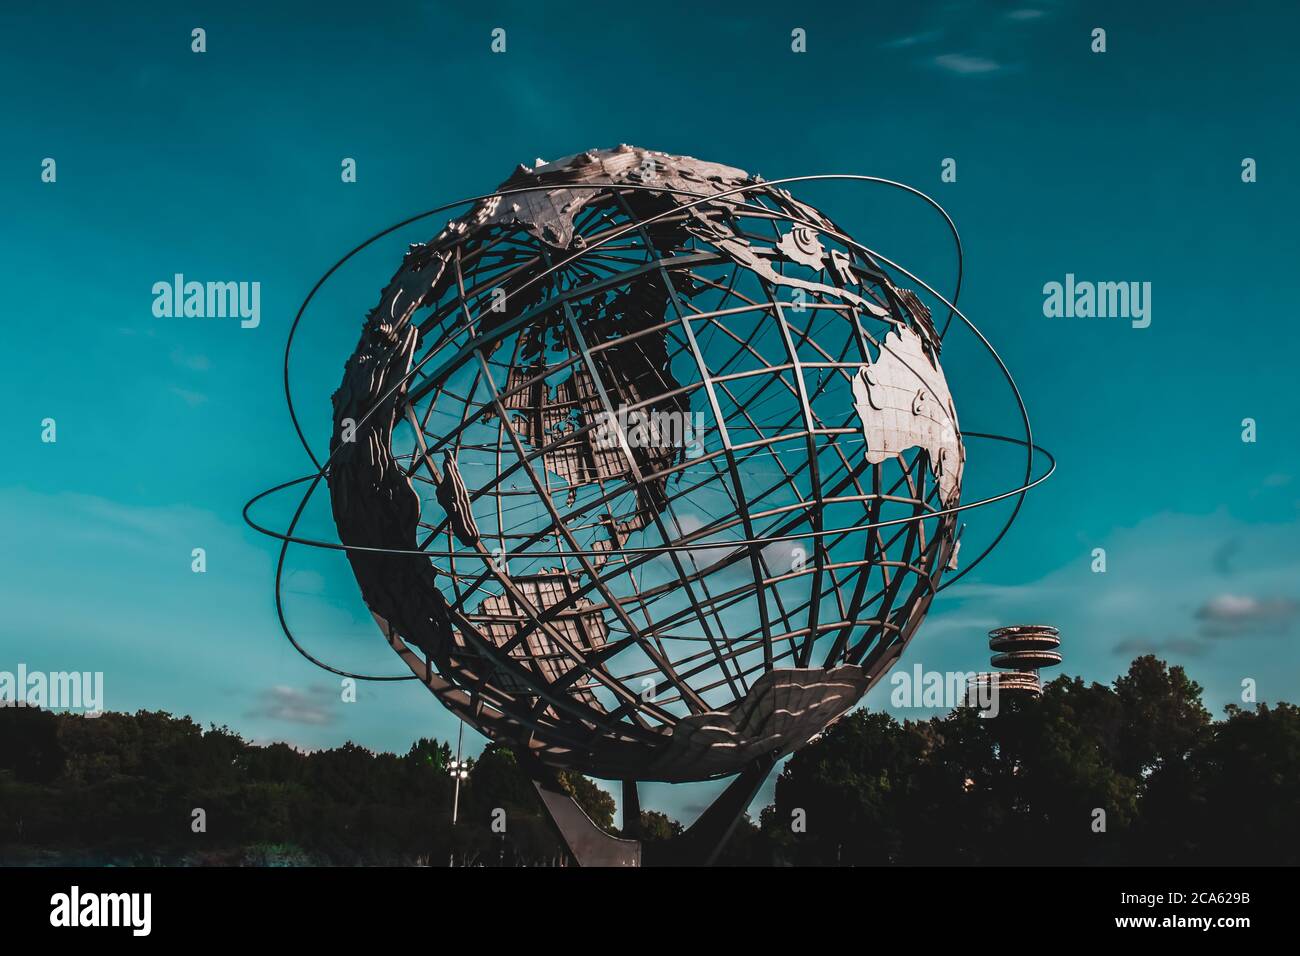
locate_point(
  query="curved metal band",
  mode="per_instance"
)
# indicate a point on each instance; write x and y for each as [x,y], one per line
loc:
[699,199]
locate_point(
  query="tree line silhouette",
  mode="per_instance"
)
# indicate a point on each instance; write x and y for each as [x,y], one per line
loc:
[1133,773]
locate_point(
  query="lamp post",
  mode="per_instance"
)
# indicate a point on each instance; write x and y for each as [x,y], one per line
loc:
[459,771]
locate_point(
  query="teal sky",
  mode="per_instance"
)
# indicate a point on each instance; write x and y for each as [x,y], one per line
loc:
[1120,166]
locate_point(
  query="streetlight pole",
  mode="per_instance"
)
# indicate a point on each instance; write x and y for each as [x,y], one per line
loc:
[459,771]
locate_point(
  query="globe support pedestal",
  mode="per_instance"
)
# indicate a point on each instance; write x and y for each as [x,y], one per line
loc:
[705,838]
[700,845]
[588,844]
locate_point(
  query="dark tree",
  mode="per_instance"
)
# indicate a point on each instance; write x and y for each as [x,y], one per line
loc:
[1024,786]
[29,744]
[658,827]
[595,802]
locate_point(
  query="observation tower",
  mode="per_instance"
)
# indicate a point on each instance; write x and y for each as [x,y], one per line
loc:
[1020,650]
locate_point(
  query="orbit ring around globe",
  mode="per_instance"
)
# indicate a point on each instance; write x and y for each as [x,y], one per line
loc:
[694,199]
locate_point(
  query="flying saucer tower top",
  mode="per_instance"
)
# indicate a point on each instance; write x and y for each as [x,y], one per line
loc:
[1021,650]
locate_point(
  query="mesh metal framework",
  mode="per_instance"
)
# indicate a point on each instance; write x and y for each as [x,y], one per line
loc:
[658,533]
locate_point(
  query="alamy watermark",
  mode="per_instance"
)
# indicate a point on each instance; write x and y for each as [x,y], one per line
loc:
[208,300]
[133,911]
[53,690]
[652,429]
[1074,299]
[920,689]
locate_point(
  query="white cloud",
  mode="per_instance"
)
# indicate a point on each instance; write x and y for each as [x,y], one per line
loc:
[190,398]
[311,706]
[1226,615]
[912,39]
[193,361]
[966,64]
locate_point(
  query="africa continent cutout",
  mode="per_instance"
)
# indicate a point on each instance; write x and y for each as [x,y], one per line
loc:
[903,401]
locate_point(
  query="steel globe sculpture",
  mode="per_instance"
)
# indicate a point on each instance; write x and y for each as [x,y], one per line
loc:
[646,468]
